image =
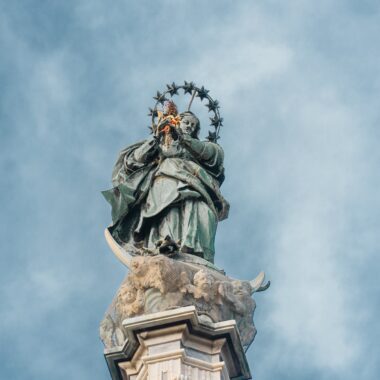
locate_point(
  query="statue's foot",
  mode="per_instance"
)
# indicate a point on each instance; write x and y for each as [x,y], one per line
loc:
[186,249]
[138,244]
[168,247]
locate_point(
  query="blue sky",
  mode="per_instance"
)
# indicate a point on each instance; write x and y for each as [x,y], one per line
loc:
[299,86]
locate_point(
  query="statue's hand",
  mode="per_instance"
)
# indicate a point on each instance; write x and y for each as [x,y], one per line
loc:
[156,139]
[177,134]
[161,126]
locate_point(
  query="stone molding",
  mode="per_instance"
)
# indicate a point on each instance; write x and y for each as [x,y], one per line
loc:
[176,344]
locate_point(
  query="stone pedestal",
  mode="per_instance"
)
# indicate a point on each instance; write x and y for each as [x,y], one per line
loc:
[178,345]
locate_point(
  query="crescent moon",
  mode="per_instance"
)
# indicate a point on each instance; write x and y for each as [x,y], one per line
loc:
[118,251]
[257,282]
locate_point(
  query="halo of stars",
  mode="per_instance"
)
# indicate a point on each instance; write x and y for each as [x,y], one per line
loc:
[201,93]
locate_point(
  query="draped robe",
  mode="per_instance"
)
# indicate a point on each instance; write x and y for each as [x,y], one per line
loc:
[170,190]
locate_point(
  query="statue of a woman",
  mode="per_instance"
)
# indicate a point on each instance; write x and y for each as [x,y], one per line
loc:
[169,186]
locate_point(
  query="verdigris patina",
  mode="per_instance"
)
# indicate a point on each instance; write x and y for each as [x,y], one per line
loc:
[168,186]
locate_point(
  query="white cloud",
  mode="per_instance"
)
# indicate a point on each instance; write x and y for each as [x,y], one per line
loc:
[300,151]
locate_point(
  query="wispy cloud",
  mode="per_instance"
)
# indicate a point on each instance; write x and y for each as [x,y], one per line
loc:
[299,87]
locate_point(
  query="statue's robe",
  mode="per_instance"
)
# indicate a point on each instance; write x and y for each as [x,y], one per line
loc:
[174,190]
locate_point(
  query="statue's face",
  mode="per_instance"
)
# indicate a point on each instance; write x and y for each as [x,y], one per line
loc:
[203,281]
[188,124]
[241,288]
[127,295]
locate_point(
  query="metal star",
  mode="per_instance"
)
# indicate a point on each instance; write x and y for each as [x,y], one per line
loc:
[152,112]
[215,121]
[160,98]
[212,105]
[172,88]
[188,87]
[202,93]
[212,136]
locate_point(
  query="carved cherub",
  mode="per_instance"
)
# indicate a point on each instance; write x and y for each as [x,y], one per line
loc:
[130,301]
[204,286]
[243,300]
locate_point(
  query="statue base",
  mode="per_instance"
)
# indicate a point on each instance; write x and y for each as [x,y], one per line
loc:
[178,344]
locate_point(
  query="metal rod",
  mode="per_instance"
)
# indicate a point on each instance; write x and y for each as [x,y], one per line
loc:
[191,101]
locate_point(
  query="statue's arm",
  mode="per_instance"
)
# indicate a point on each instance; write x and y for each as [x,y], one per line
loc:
[133,158]
[204,150]
[146,152]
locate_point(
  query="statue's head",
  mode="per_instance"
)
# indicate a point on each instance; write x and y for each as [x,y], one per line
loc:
[189,124]
[127,293]
[241,288]
[203,280]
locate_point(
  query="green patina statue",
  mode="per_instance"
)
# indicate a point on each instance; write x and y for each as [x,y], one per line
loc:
[167,187]
[166,204]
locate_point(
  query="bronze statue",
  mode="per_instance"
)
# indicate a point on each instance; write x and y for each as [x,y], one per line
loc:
[167,187]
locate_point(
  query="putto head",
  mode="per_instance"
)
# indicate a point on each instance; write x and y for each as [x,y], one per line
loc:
[203,280]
